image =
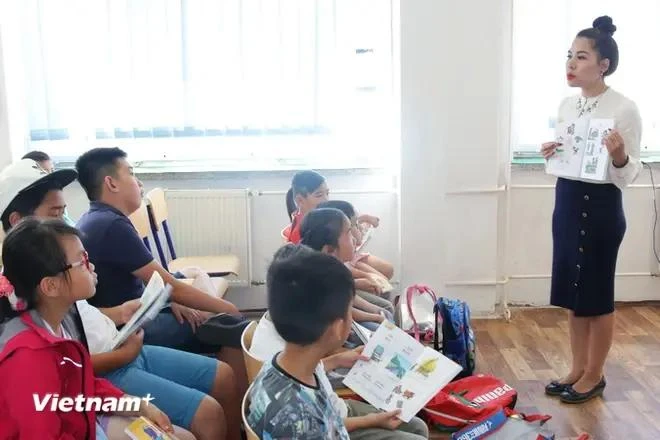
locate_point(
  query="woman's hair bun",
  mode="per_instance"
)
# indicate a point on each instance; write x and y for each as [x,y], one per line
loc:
[604,24]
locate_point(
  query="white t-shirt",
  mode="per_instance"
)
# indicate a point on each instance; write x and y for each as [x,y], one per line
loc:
[266,343]
[65,335]
[99,329]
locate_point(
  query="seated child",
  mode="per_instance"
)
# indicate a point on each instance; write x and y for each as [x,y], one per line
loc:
[125,264]
[266,342]
[368,280]
[309,300]
[328,230]
[308,189]
[383,267]
[45,270]
[46,163]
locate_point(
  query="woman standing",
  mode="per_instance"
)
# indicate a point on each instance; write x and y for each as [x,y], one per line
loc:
[588,222]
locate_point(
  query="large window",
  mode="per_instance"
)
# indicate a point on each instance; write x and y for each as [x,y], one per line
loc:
[204,79]
[543,32]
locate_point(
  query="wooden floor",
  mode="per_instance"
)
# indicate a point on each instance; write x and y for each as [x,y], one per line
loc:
[533,349]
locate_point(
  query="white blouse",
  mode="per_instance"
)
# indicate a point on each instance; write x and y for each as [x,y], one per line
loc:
[612,105]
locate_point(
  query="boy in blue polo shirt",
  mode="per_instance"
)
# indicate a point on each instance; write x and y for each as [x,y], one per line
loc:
[123,263]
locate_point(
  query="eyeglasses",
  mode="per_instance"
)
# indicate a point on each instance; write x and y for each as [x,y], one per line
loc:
[83,262]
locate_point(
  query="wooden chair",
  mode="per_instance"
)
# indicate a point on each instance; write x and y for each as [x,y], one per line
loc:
[251,435]
[252,364]
[214,265]
[141,223]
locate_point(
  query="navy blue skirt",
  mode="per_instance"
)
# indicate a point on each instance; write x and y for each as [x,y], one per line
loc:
[588,225]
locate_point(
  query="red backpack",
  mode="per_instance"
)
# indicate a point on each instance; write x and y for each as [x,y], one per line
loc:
[467,401]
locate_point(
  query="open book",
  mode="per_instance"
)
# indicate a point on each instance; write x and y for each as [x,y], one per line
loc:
[582,153]
[362,332]
[155,296]
[142,429]
[401,373]
[367,232]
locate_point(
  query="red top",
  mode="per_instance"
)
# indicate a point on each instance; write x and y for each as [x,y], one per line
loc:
[292,232]
[35,362]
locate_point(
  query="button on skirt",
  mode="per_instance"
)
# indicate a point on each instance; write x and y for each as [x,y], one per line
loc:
[588,225]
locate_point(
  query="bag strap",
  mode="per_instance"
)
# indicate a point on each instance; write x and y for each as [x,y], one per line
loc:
[410,292]
[447,416]
[436,336]
[438,310]
[483,428]
[495,421]
[528,418]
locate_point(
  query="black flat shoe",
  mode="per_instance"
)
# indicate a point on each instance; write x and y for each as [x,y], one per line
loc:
[572,396]
[555,388]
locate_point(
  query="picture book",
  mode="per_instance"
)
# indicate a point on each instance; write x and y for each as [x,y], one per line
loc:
[142,429]
[155,296]
[582,153]
[362,332]
[401,372]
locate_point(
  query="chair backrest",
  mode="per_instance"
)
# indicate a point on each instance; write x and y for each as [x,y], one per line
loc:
[252,364]
[140,221]
[157,212]
[158,206]
[251,435]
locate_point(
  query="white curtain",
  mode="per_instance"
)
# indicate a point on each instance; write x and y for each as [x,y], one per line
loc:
[132,69]
[542,35]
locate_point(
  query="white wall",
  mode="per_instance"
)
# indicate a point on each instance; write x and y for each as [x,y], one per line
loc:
[455,78]
[454,228]
[5,150]
[530,252]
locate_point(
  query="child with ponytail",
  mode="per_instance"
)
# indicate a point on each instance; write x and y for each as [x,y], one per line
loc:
[308,190]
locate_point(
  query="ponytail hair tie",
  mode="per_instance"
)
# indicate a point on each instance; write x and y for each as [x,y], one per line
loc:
[7,291]
[5,287]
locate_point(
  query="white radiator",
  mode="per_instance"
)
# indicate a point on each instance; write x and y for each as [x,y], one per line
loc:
[212,222]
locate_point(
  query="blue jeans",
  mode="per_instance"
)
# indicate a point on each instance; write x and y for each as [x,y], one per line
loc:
[177,380]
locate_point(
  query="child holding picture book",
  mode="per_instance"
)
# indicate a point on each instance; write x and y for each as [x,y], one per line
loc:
[371,284]
[309,301]
[328,230]
[45,270]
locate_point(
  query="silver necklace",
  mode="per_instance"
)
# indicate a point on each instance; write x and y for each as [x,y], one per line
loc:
[582,106]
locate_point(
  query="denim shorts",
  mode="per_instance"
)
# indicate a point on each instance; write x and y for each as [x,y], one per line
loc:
[100,433]
[177,380]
